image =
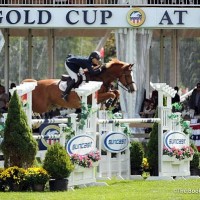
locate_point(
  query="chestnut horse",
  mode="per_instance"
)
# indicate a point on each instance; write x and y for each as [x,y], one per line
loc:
[47,94]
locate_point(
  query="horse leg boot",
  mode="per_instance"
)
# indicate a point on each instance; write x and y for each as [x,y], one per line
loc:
[70,85]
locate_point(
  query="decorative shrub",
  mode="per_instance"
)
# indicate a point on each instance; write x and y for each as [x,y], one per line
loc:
[57,162]
[136,155]
[152,150]
[19,147]
[36,175]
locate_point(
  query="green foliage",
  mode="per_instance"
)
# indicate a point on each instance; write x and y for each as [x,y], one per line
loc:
[177,107]
[152,152]
[19,147]
[68,130]
[57,162]
[194,163]
[136,154]
[85,112]
[110,48]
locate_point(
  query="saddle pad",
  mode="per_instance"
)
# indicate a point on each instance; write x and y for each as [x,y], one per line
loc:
[63,85]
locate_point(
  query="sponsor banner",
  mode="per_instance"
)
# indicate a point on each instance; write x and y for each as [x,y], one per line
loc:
[115,142]
[175,139]
[81,144]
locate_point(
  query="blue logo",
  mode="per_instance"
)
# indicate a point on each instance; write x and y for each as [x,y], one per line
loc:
[116,142]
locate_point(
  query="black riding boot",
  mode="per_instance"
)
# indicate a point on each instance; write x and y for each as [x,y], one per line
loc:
[70,85]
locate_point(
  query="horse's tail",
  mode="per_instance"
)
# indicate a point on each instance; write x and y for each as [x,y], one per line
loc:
[29,80]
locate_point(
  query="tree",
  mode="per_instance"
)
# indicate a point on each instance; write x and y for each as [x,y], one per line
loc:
[152,150]
[110,48]
[19,147]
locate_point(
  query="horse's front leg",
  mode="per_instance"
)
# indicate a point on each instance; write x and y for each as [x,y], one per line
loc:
[116,92]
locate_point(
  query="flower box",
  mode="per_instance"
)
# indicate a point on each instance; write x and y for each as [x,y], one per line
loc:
[95,164]
[179,154]
[174,160]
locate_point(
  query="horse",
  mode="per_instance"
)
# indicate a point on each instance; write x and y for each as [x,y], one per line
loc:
[47,94]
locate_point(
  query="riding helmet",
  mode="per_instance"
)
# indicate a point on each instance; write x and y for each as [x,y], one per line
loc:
[95,54]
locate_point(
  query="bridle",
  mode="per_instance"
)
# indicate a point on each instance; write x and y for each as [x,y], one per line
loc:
[126,86]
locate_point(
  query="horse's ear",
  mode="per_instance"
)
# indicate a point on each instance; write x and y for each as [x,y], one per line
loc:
[130,66]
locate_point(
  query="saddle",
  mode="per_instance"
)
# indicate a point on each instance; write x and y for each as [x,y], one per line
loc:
[65,78]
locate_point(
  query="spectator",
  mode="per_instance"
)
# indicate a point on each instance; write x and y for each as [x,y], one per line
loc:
[145,106]
[194,102]
[154,97]
[150,111]
[12,85]
[4,99]
[176,98]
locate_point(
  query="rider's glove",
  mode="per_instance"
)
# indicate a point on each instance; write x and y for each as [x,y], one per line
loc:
[103,66]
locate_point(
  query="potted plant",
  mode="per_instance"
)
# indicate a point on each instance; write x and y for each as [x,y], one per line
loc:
[13,177]
[136,157]
[145,168]
[37,177]
[59,166]
[1,181]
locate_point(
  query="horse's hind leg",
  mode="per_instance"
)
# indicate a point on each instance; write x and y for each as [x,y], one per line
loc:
[102,97]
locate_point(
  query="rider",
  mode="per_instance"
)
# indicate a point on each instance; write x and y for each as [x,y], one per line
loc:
[73,65]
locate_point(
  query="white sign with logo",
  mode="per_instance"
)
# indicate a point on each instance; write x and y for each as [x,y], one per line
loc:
[115,142]
[81,144]
[175,139]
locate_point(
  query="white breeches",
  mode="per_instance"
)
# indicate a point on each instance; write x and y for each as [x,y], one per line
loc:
[72,74]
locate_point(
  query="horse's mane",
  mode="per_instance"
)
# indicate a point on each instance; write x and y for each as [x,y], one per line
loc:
[114,61]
